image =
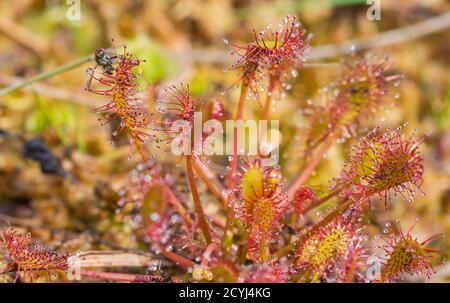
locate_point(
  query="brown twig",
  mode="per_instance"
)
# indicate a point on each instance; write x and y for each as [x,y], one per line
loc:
[400,35]
[23,36]
[115,259]
[396,36]
[117,277]
[54,92]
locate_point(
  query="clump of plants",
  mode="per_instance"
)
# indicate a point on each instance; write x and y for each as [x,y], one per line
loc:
[263,227]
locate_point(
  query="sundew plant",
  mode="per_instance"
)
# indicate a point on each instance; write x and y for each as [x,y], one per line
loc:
[268,162]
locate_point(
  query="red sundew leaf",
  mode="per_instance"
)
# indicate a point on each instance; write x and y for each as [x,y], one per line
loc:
[263,204]
[120,84]
[384,164]
[405,254]
[273,55]
[28,258]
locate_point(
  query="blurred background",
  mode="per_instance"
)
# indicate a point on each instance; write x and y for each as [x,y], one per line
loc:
[183,41]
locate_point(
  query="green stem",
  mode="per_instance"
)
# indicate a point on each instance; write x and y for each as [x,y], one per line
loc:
[46,75]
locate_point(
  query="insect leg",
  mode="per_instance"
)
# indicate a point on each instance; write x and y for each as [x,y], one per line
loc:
[89,75]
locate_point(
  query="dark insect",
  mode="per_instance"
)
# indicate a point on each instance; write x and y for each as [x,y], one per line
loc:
[37,150]
[103,59]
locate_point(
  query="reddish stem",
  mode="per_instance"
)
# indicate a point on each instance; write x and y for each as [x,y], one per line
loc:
[267,105]
[308,170]
[211,182]
[234,162]
[177,259]
[172,197]
[239,115]
[322,200]
[197,202]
